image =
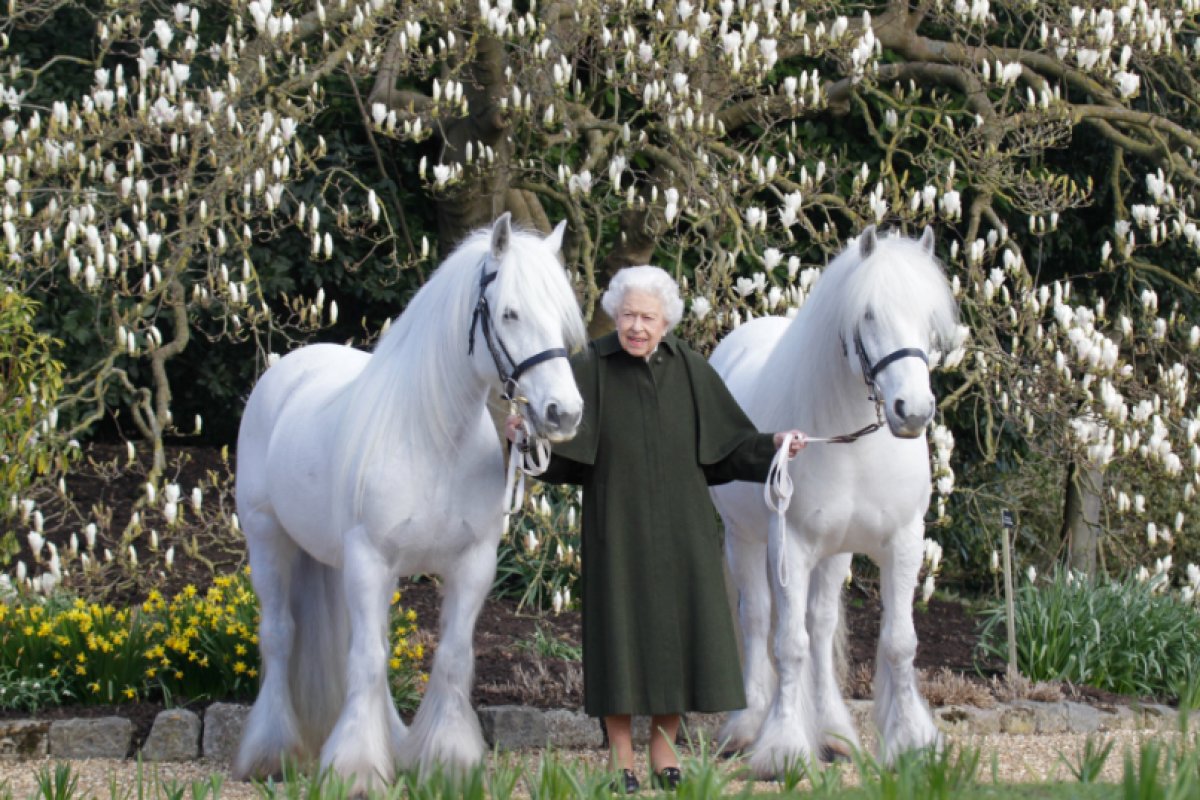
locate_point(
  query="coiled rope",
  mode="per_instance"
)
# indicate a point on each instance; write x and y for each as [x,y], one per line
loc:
[777,494]
[527,455]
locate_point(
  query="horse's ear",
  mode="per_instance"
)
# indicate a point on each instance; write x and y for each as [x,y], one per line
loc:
[866,242]
[501,234]
[555,239]
[927,240]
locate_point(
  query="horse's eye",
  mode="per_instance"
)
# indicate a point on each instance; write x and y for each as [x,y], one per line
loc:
[869,316]
[510,314]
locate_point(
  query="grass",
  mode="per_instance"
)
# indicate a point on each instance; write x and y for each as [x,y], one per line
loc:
[1152,770]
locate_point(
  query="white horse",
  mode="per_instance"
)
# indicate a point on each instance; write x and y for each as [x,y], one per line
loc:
[356,469]
[854,353]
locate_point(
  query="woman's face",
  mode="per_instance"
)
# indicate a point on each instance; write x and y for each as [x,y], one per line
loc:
[641,323]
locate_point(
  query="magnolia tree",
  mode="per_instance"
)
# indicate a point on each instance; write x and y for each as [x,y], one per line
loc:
[737,144]
[133,207]
[142,197]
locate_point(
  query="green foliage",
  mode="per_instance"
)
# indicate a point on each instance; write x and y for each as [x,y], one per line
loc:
[1159,771]
[21,693]
[931,773]
[1120,636]
[1090,761]
[59,783]
[546,645]
[539,560]
[30,381]
[555,778]
[298,785]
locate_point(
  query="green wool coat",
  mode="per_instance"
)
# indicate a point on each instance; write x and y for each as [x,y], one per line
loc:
[657,632]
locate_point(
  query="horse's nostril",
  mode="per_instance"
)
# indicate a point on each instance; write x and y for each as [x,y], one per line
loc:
[552,414]
[899,407]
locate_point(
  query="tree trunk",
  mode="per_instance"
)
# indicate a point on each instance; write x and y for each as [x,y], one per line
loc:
[1081,517]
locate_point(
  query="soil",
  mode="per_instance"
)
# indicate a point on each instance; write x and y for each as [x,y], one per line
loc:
[509,669]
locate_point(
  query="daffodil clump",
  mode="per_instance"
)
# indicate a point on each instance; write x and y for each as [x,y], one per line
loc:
[204,645]
[193,645]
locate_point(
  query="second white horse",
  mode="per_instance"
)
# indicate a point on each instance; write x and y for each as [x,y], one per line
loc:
[856,349]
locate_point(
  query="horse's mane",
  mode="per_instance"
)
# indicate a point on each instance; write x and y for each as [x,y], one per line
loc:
[419,391]
[898,281]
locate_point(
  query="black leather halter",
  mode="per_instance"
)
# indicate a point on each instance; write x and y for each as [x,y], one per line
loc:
[506,366]
[871,371]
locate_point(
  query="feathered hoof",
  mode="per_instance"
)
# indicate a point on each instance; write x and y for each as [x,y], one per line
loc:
[834,752]
[930,739]
[771,761]
[266,763]
[739,732]
[361,777]
[445,752]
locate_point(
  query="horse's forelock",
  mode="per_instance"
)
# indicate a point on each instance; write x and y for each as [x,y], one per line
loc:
[900,281]
[533,280]
[898,278]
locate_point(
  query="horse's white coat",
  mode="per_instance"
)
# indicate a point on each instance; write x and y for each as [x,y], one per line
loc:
[867,497]
[356,469]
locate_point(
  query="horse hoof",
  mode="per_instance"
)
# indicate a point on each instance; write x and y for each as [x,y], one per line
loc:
[833,753]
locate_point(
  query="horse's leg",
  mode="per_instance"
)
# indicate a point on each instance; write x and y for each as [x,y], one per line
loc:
[824,626]
[446,729]
[788,733]
[901,714]
[362,743]
[272,731]
[747,559]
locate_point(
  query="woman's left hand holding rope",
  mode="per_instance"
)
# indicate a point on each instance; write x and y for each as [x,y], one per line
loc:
[799,440]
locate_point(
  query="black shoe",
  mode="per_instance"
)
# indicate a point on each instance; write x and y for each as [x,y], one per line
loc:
[668,778]
[626,784]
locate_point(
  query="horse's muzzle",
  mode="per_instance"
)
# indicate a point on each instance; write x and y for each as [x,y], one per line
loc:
[908,421]
[556,423]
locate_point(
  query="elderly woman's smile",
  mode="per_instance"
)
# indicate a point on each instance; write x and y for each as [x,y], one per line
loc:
[641,322]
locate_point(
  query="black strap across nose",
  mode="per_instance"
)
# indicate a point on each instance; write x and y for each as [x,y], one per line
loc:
[506,366]
[870,371]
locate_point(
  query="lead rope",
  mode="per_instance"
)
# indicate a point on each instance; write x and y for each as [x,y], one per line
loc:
[778,488]
[527,455]
[777,493]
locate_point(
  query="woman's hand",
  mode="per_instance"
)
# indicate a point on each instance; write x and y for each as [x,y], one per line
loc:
[513,424]
[799,441]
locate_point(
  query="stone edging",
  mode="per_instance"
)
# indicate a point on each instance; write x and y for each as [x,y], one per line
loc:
[181,735]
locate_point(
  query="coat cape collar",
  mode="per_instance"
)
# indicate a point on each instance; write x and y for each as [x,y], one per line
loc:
[723,423]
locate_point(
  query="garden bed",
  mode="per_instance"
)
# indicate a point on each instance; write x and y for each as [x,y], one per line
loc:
[518,651]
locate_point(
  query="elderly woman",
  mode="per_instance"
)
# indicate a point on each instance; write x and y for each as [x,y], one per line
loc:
[659,427]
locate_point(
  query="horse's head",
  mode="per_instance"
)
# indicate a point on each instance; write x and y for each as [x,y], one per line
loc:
[527,320]
[898,328]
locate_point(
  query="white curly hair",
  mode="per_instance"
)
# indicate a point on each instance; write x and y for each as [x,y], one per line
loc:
[651,280]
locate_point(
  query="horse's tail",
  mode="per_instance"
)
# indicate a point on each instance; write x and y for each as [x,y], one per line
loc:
[317,668]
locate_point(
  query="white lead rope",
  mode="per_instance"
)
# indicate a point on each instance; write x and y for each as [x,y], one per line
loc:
[777,493]
[778,488]
[523,459]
